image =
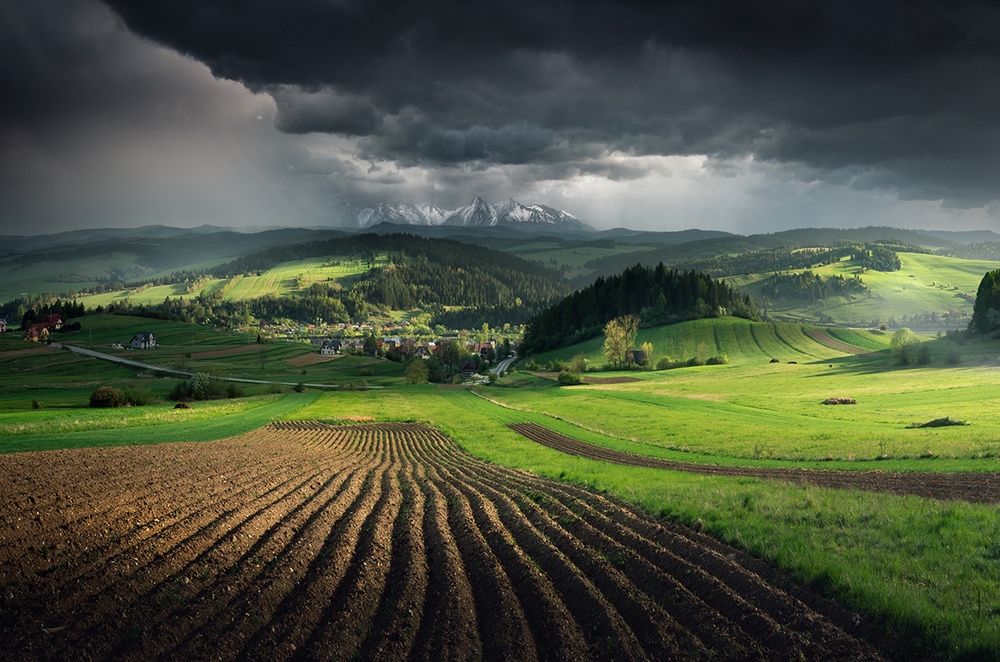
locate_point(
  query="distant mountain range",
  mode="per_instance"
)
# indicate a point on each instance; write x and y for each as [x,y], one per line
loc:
[477,214]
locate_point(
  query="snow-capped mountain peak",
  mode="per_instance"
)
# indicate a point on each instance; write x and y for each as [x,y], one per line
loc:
[478,213]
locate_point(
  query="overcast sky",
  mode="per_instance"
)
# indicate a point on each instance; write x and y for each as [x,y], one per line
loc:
[730,115]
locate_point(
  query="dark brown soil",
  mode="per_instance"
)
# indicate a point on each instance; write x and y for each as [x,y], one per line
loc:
[383,542]
[974,487]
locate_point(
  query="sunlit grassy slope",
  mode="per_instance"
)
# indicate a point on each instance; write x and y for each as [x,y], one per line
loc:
[741,340]
[284,278]
[926,283]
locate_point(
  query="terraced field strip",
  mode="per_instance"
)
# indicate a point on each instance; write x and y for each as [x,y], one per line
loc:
[972,487]
[822,337]
[304,540]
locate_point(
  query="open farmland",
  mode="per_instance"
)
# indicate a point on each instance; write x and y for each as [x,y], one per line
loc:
[924,284]
[377,542]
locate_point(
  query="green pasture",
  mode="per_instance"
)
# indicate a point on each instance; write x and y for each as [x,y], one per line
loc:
[741,340]
[284,278]
[61,275]
[61,378]
[204,422]
[774,411]
[926,283]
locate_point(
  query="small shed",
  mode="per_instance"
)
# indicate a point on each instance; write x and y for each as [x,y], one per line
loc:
[143,340]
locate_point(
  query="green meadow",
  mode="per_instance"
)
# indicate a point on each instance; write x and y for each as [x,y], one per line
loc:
[284,278]
[740,340]
[926,283]
[927,570]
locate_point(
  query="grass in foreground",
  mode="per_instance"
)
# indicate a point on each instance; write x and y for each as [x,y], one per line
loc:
[219,422]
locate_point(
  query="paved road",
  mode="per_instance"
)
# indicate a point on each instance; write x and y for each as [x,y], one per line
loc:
[503,365]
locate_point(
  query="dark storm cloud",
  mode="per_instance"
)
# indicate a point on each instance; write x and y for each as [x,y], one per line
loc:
[906,88]
[100,128]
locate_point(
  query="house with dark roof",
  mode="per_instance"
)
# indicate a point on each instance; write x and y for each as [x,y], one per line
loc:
[330,347]
[143,340]
[467,369]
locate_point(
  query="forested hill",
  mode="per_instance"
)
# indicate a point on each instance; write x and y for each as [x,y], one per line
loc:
[423,271]
[656,294]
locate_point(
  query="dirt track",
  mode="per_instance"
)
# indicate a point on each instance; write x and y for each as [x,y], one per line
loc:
[974,487]
[387,542]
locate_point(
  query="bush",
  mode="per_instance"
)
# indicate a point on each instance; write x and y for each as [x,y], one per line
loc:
[953,357]
[106,397]
[35,404]
[298,388]
[664,364]
[205,387]
[416,372]
[721,359]
[923,354]
[567,378]
[367,372]
[694,360]
[138,396]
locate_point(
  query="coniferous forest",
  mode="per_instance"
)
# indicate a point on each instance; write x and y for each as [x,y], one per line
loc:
[658,295]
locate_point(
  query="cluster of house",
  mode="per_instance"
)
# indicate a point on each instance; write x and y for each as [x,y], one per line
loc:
[407,349]
[310,330]
[39,331]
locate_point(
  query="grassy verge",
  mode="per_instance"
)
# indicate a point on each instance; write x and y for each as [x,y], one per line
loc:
[221,422]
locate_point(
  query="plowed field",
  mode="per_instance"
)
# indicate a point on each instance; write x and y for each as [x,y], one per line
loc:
[972,487]
[373,542]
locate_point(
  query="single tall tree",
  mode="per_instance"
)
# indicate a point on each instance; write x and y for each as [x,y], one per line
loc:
[619,339]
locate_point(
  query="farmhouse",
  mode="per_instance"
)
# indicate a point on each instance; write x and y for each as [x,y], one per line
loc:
[54,321]
[330,347]
[143,340]
[37,333]
[467,369]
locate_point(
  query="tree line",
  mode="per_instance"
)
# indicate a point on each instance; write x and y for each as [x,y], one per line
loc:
[809,286]
[657,295]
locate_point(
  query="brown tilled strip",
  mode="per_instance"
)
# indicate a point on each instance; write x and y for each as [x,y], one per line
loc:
[503,628]
[821,635]
[690,611]
[600,622]
[555,632]
[449,629]
[399,612]
[967,486]
[130,561]
[349,616]
[298,613]
[279,532]
[177,578]
[654,630]
[553,628]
